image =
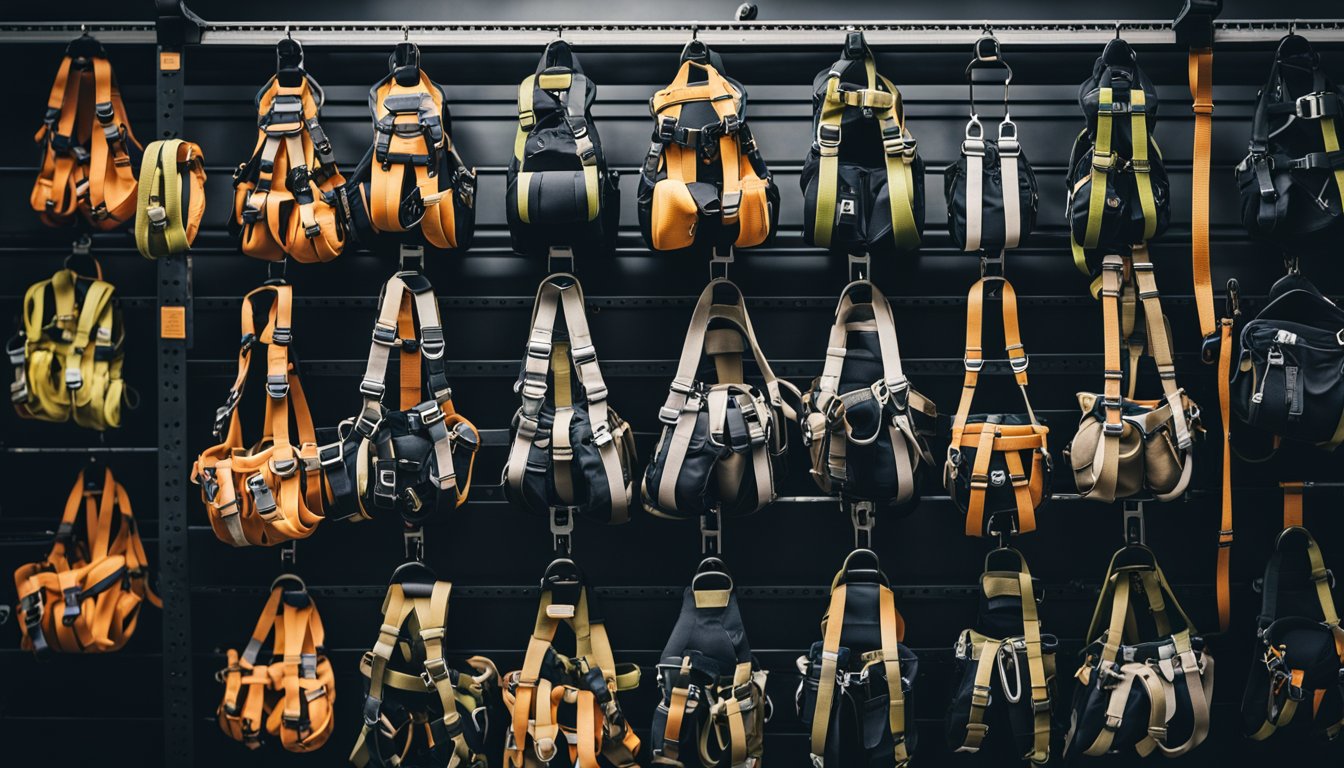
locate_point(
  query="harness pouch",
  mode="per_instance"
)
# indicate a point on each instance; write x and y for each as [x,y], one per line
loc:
[85,595]
[722,444]
[857,682]
[270,491]
[1288,377]
[89,154]
[713,706]
[288,196]
[420,710]
[1291,178]
[1133,693]
[704,182]
[560,190]
[863,179]
[570,449]
[864,426]
[410,459]
[281,685]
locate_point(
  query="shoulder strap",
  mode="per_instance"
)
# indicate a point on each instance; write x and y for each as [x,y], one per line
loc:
[974,360]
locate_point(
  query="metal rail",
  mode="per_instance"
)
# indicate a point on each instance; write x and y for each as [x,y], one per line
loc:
[798,35]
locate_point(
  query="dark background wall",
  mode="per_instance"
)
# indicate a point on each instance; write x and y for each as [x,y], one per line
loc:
[76,709]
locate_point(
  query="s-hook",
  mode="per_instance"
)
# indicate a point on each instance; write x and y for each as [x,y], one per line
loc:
[720,260]
[562,530]
[862,515]
[860,265]
[406,33]
[1135,526]
[414,540]
[711,532]
[288,554]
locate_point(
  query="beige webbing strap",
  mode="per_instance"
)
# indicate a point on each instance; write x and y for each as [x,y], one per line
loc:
[976,728]
[1040,692]
[890,627]
[1009,152]
[830,656]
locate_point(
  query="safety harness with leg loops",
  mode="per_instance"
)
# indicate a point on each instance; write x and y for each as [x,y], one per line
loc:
[1119,194]
[998,465]
[412,184]
[1298,666]
[407,460]
[1124,446]
[85,595]
[713,707]
[1292,177]
[857,681]
[281,684]
[1144,684]
[69,354]
[722,444]
[704,181]
[287,198]
[570,449]
[991,189]
[89,154]
[564,709]
[863,181]
[171,199]
[420,711]
[1005,666]
[864,426]
[560,190]
[270,491]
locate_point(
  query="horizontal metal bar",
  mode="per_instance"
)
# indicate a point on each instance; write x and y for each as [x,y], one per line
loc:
[100,449]
[800,34]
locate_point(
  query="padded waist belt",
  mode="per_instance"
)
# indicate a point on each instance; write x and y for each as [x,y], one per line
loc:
[87,146]
[269,491]
[68,356]
[85,595]
[569,449]
[418,710]
[171,198]
[589,681]
[285,199]
[402,459]
[286,690]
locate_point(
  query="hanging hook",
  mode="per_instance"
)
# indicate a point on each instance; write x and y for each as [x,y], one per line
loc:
[288,35]
[560,32]
[405,33]
[1117,29]
[1292,27]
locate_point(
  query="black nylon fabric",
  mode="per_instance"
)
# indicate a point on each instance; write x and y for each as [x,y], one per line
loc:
[992,233]
[592,495]
[1288,380]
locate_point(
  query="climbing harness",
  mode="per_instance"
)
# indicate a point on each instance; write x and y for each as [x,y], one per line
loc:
[1005,665]
[290,694]
[270,491]
[410,459]
[288,197]
[88,150]
[420,711]
[85,595]
[570,449]
[560,191]
[998,465]
[704,181]
[857,681]
[863,155]
[69,354]
[713,706]
[171,198]
[564,709]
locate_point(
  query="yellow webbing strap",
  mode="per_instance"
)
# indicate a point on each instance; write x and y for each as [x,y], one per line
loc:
[1332,145]
[160,227]
[899,152]
[830,648]
[832,109]
[891,627]
[1103,160]
[1138,121]
[526,118]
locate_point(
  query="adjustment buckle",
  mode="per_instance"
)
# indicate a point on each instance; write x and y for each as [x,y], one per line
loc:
[974,365]
[384,335]
[158,217]
[1019,364]
[277,386]
[1310,106]
[828,136]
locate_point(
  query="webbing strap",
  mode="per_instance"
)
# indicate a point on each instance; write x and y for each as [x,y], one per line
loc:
[1201,92]
[160,226]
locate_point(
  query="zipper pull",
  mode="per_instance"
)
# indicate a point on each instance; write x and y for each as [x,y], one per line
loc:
[1273,359]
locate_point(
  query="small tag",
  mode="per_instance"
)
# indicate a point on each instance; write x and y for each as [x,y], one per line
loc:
[170,61]
[560,611]
[172,322]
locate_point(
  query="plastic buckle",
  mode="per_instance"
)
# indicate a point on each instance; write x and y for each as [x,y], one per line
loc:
[731,202]
[667,129]
[158,217]
[74,380]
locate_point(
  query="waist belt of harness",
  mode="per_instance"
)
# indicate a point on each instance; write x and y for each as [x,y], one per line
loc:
[85,595]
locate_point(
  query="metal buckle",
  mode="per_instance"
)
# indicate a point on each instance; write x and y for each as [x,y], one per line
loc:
[1019,364]
[431,342]
[828,136]
[374,389]
[73,379]
[539,350]
[973,365]
[1309,107]
[429,413]
[277,386]
[384,335]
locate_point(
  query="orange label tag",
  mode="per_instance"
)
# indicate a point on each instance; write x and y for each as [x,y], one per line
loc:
[170,61]
[173,322]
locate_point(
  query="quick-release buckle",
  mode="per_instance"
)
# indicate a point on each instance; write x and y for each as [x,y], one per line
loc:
[74,380]
[667,129]
[158,216]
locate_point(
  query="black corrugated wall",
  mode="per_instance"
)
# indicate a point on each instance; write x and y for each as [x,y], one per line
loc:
[73,710]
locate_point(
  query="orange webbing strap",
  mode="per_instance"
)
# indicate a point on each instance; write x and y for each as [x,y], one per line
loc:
[1224,574]
[53,196]
[833,624]
[111,199]
[892,629]
[1292,504]
[1201,91]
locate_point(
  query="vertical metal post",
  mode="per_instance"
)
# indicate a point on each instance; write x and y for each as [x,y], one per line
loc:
[174,299]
